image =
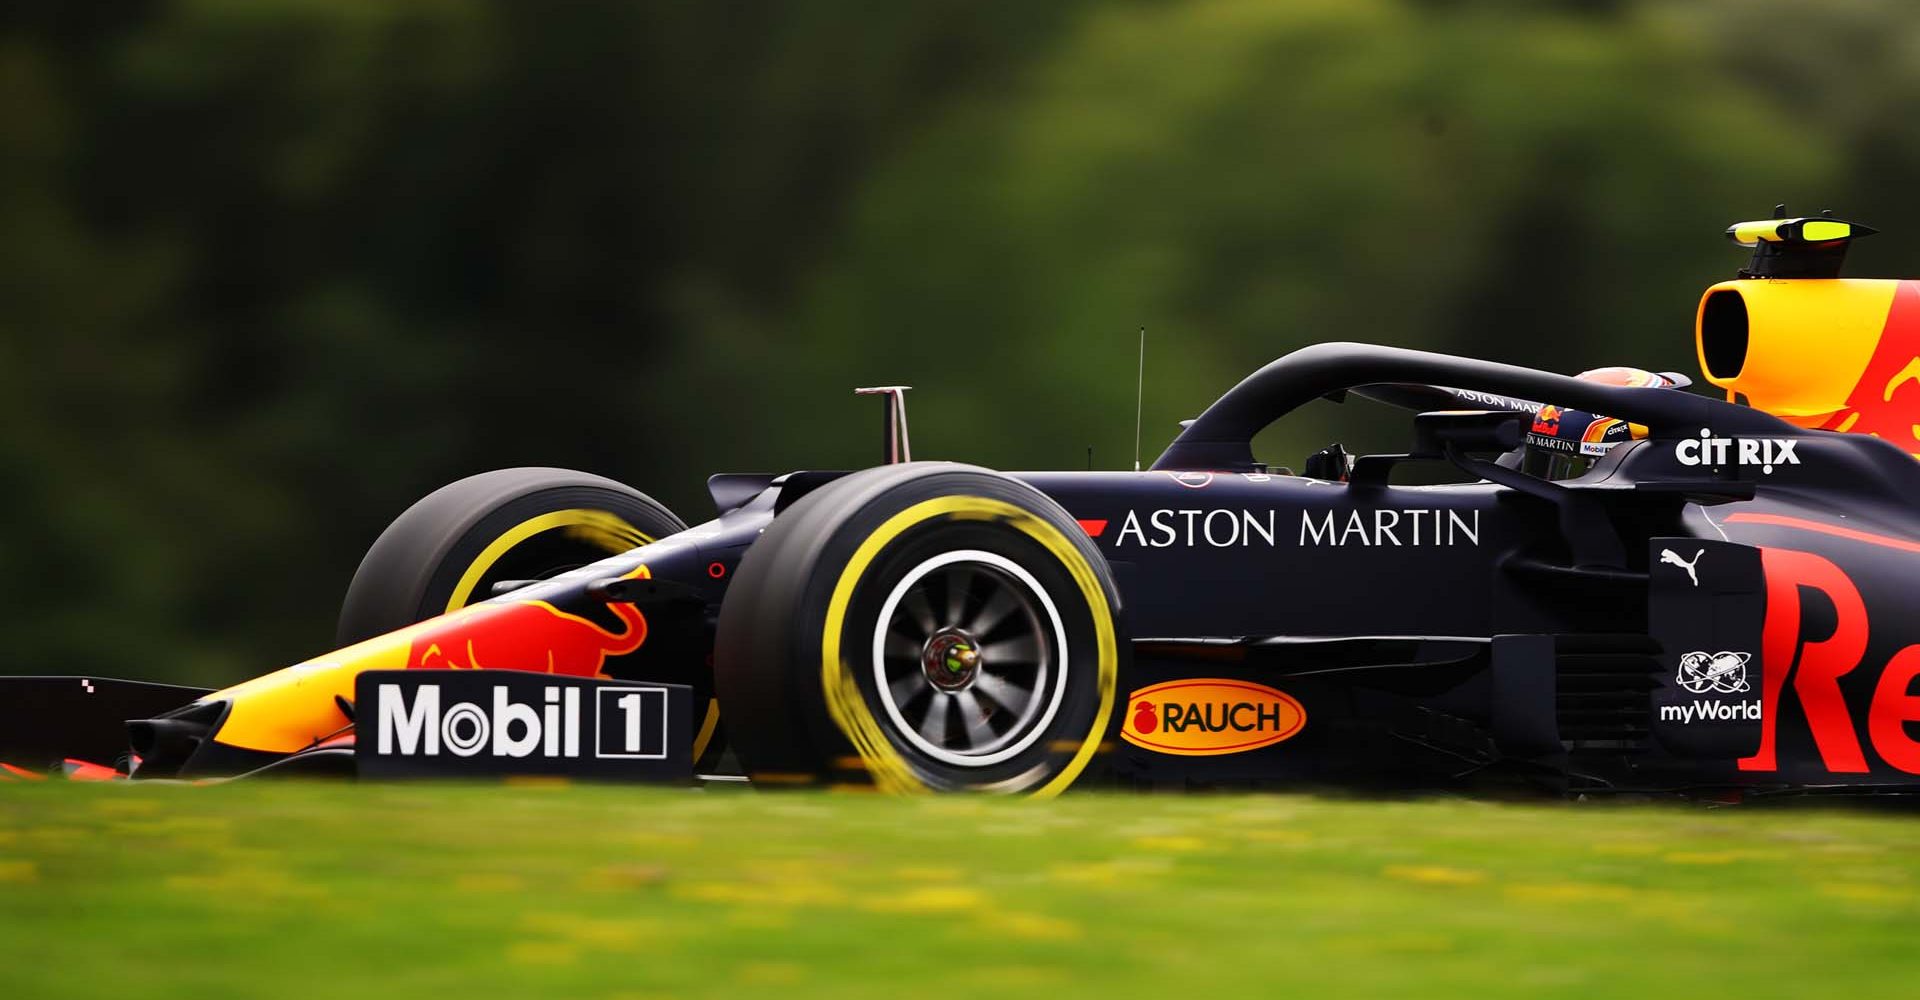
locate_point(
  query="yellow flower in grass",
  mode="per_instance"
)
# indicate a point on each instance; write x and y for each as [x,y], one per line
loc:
[1434,874]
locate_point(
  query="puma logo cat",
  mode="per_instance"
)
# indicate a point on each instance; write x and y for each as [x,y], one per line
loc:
[1670,558]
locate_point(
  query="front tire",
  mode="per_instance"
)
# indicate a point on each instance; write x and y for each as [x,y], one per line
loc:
[449,549]
[925,626]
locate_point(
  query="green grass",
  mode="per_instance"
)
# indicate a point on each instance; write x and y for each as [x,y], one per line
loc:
[416,891]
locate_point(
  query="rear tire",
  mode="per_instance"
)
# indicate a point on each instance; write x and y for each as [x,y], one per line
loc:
[921,626]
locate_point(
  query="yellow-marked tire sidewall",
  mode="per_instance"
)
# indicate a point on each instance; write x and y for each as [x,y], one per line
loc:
[597,530]
[864,535]
[851,709]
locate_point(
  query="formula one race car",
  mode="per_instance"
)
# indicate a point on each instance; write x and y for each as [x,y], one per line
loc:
[1625,587]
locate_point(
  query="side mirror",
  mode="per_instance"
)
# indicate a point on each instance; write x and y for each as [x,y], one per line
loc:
[1467,431]
[1464,432]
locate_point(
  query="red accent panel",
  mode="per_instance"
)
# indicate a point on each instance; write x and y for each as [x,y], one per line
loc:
[1093,526]
[80,770]
[1816,676]
[22,773]
[1780,521]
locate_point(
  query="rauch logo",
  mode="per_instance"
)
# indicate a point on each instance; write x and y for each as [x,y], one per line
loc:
[1204,716]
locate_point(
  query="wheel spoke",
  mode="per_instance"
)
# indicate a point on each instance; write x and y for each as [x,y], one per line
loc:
[934,725]
[959,580]
[1006,693]
[922,612]
[903,647]
[993,612]
[1023,648]
[908,687]
[974,715]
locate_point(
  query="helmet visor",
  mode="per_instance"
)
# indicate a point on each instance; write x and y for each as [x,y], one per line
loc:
[1552,465]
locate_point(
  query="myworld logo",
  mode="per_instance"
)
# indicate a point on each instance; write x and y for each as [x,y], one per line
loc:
[1711,710]
[1724,672]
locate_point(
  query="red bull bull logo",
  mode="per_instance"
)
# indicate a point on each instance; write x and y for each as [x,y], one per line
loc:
[1885,402]
[528,635]
[290,709]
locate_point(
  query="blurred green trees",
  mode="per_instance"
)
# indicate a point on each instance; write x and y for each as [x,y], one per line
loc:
[270,270]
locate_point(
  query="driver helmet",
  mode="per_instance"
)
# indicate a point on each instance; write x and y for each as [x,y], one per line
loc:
[1564,443]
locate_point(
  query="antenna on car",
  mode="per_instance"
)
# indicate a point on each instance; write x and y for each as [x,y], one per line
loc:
[1139,398]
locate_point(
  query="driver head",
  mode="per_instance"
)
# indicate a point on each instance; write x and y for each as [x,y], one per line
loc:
[1564,443]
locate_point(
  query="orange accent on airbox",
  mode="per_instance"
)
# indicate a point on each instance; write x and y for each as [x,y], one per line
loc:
[1839,354]
[1205,716]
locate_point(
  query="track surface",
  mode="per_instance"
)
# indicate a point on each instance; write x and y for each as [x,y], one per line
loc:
[276,889]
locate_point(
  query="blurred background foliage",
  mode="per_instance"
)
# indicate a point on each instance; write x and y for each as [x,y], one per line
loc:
[270,270]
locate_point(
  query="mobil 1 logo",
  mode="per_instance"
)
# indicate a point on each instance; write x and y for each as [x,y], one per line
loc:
[471,723]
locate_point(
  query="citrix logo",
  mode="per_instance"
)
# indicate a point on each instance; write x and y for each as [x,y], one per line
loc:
[1767,453]
[466,729]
